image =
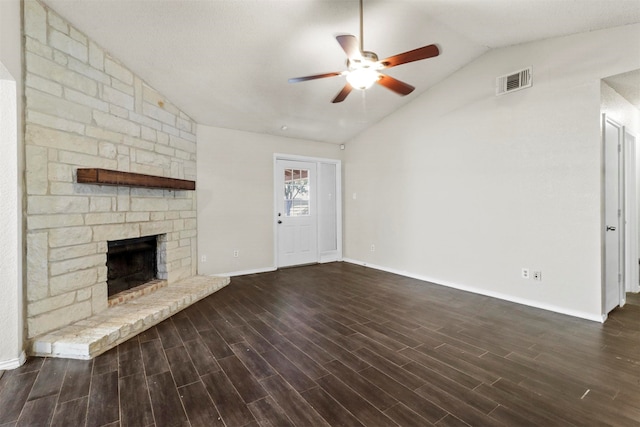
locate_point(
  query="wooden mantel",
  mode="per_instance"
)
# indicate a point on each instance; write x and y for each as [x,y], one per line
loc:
[130,179]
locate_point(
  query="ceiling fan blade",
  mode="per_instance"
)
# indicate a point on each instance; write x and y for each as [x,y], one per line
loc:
[316,76]
[346,90]
[395,85]
[350,46]
[413,55]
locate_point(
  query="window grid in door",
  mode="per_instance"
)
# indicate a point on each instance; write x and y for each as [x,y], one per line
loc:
[296,192]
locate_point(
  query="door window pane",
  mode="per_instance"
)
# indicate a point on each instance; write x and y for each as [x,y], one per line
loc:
[296,192]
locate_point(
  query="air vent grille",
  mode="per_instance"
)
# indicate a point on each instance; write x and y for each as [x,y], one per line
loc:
[513,81]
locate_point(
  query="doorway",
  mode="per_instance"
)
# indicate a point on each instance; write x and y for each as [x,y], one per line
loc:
[620,240]
[307,214]
[614,242]
[297,213]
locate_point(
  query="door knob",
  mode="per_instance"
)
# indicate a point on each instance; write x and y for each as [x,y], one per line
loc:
[611,228]
[279,222]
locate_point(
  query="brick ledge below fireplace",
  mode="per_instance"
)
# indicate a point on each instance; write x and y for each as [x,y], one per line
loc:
[93,336]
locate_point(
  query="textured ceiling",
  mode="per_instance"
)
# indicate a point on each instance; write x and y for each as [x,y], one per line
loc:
[226,62]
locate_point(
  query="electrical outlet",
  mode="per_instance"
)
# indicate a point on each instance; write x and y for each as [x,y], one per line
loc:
[236,253]
[373,248]
[537,275]
[525,273]
[203,258]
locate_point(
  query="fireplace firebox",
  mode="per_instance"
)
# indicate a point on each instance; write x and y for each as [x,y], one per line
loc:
[131,263]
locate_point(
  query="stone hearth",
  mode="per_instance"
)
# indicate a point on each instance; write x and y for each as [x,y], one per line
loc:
[95,335]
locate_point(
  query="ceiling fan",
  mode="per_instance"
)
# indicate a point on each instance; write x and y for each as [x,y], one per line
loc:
[363,67]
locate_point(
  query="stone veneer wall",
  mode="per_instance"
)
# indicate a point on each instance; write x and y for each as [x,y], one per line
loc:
[85,109]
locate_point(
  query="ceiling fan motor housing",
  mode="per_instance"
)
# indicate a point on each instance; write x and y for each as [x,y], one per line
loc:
[367,60]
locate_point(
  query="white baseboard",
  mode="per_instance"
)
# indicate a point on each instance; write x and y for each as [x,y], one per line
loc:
[245,272]
[6,365]
[480,291]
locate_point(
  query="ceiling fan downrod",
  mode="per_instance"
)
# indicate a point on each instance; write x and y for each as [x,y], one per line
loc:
[361,27]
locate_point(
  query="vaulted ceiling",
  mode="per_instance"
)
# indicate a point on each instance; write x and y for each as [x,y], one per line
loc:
[226,62]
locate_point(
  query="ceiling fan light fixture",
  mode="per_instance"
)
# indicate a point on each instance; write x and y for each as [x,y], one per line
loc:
[363,67]
[362,78]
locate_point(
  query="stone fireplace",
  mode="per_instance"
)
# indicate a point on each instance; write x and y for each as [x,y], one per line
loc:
[84,109]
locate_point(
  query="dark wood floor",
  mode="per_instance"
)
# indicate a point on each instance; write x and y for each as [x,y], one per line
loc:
[342,345]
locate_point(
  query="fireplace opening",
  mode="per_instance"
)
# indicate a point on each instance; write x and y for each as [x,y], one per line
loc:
[131,263]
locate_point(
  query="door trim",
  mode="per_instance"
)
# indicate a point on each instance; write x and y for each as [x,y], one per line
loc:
[631,229]
[322,257]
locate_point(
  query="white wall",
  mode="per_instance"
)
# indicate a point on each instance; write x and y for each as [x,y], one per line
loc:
[235,196]
[475,187]
[11,334]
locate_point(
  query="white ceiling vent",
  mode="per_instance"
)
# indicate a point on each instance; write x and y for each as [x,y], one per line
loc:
[513,81]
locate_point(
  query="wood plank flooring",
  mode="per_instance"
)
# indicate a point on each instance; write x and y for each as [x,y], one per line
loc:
[343,345]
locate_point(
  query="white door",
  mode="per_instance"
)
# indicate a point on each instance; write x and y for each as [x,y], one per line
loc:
[614,222]
[296,213]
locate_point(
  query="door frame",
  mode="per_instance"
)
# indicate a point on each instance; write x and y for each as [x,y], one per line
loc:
[323,257]
[632,269]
